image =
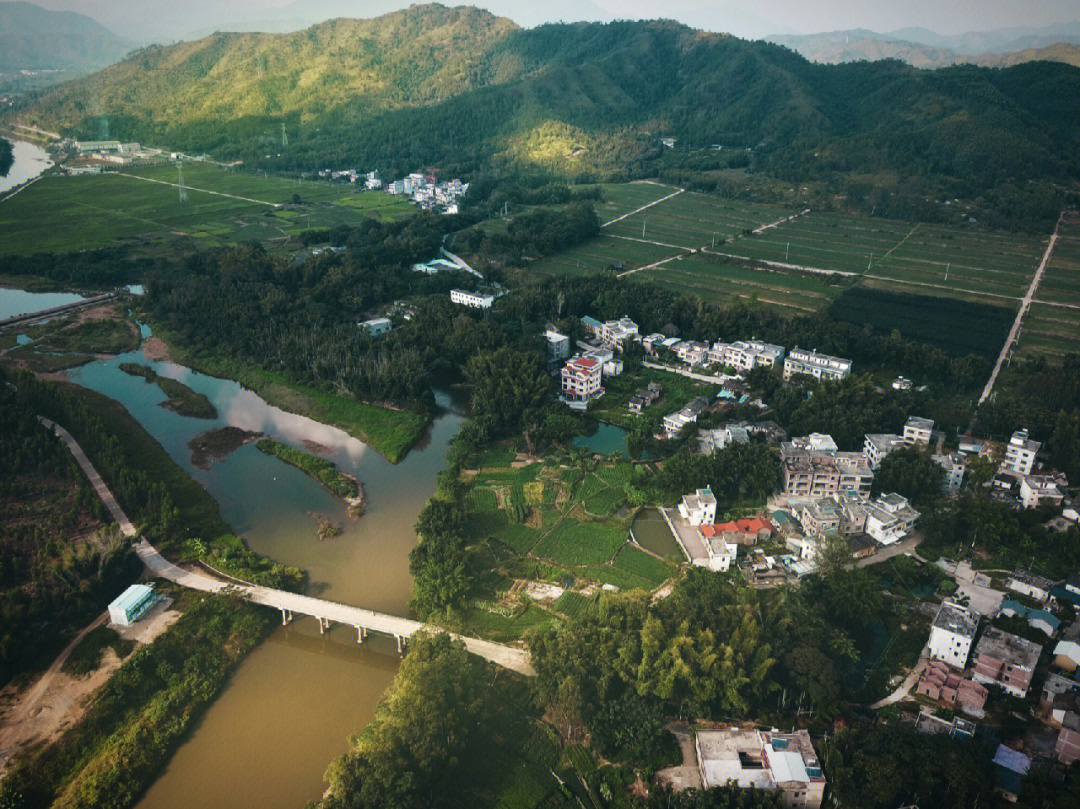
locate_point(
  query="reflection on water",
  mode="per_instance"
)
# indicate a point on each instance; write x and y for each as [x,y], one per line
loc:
[30,160]
[289,710]
[20,302]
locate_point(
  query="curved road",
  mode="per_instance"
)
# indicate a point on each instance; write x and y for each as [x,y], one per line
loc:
[326,612]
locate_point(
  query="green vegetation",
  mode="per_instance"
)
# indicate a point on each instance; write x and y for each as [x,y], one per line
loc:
[143,713]
[172,510]
[6,156]
[322,470]
[911,473]
[59,566]
[86,657]
[181,399]
[99,336]
[142,206]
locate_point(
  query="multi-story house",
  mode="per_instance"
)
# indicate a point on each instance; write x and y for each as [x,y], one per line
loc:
[474,300]
[1020,453]
[558,345]
[1006,660]
[699,508]
[1039,490]
[745,355]
[877,445]
[581,379]
[918,430]
[952,634]
[675,422]
[823,472]
[820,366]
[691,352]
[615,334]
[890,518]
[954,471]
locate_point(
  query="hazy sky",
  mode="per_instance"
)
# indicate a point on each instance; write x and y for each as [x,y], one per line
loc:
[747,18]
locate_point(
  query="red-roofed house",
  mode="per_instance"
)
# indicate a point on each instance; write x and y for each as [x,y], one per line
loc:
[581,379]
[740,532]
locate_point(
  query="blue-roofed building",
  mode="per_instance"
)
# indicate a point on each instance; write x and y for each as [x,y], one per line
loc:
[1042,620]
[1012,768]
[132,604]
[591,324]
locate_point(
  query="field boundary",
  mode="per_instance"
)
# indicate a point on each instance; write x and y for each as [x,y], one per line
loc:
[193,188]
[643,207]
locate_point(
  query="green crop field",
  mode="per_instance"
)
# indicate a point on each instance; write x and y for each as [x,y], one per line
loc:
[1049,331]
[574,543]
[719,282]
[639,563]
[600,253]
[144,205]
[1061,281]
[622,198]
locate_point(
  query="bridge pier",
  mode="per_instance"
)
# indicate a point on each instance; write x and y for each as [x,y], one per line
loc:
[361,633]
[324,624]
[399,640]
[286,616]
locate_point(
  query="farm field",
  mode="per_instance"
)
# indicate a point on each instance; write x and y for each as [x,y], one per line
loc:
[1061,280]
[1048,331]
[622,198]
[692,220]
[719,282]
[90,211]
[600,253]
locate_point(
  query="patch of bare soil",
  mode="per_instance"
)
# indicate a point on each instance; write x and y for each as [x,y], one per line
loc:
[155,350]
[106,311]
[315,448]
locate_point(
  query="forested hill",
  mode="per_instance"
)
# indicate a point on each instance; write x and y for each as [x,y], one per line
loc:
[463,89]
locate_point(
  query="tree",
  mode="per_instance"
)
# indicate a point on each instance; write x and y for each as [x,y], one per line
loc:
[509,389]
[911,473]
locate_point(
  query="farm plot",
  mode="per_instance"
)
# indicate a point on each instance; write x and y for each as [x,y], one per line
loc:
[1049,331]
[962,260]
[692,220]
[821,241]
[89,211]
[575,543]
[720,282]
[600,253]
[1061,280]
[622,198]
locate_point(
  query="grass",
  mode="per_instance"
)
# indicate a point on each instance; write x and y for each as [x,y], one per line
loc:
[1049,331]
[390,432]
[501,628]
[102,336]
[86,656]
[322,470]
[114,208]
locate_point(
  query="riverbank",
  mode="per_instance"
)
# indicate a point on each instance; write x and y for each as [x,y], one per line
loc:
[143,712]
[339,484]
[391,433]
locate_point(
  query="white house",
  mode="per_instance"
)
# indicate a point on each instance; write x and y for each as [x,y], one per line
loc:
[1067,651]
[918,431]
[558,345]
[616,333]
[1037,587]
[877,445]
[890,518]
[746,355]
[699,508]
[376,326]
[1020,453]
[954,471]
[952,634]
[475,300]
[811,363]
[711,440]
[675,422]
[1038,490]
[721,553]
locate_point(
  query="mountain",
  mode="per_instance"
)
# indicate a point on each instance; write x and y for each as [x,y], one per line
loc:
[32,38]
[466,90]
[932,51]
[1001,40]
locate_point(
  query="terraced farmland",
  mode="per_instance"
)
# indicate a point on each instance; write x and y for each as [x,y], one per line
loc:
[622,198]
[720,282]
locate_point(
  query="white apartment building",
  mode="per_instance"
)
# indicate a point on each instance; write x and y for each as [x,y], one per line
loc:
[745,355]
[824,472]
[699,508]
[878,445]
[581,379]
[616,333]
[890,518]
[820,366]
[918,431]
[474,300]
[1020,453]
[692,353]
[952,634]
[558,345]
[1038,490]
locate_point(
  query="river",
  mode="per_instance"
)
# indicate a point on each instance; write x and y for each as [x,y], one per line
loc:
[30,161]
[288,711]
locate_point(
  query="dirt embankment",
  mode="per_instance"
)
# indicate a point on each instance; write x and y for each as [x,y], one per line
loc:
[155,350]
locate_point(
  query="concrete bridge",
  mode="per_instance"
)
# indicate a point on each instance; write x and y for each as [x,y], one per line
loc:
[288,604]
[29,318]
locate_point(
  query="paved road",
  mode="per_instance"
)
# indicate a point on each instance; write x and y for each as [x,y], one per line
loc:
[889,551]
[27,318]
[326,612]
[902,692]
[1025,304]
